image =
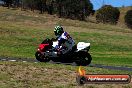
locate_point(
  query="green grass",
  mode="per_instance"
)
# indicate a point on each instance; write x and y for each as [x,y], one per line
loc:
[21,32]
[45,75]
[110,45]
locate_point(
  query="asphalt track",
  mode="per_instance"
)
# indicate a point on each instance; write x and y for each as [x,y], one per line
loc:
[24,60]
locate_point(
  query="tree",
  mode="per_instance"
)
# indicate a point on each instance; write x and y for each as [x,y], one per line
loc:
[108,14]
[74,9]
[8,3]
[128,18]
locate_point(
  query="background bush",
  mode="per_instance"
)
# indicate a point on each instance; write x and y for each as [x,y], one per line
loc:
[108,14]
[128,18]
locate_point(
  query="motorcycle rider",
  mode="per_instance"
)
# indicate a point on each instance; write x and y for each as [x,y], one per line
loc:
[65,41]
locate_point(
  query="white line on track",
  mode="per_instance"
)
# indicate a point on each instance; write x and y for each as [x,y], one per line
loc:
[24,61]
[3,59]
[12,60]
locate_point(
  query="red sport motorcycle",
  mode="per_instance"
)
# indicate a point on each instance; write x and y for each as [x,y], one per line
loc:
[79,54]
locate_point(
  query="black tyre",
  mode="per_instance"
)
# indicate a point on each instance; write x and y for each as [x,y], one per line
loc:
[83,59]
[41,58]
[81,80]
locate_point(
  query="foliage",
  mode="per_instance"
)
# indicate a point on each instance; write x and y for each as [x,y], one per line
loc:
[74,9]
[128,18]
[108,14]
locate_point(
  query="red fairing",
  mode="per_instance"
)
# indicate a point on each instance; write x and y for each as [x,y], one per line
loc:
[42,46]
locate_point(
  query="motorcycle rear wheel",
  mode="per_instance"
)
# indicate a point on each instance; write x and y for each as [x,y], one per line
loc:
[83,59]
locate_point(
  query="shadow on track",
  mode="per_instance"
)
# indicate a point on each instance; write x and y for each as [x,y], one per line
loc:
[66,63]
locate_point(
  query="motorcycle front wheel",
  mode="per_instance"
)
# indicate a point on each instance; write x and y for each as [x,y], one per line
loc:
[41,57]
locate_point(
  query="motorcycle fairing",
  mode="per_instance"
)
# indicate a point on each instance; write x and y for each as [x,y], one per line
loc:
[82,46]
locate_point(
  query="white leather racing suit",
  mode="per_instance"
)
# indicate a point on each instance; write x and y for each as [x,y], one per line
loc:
[65,43]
